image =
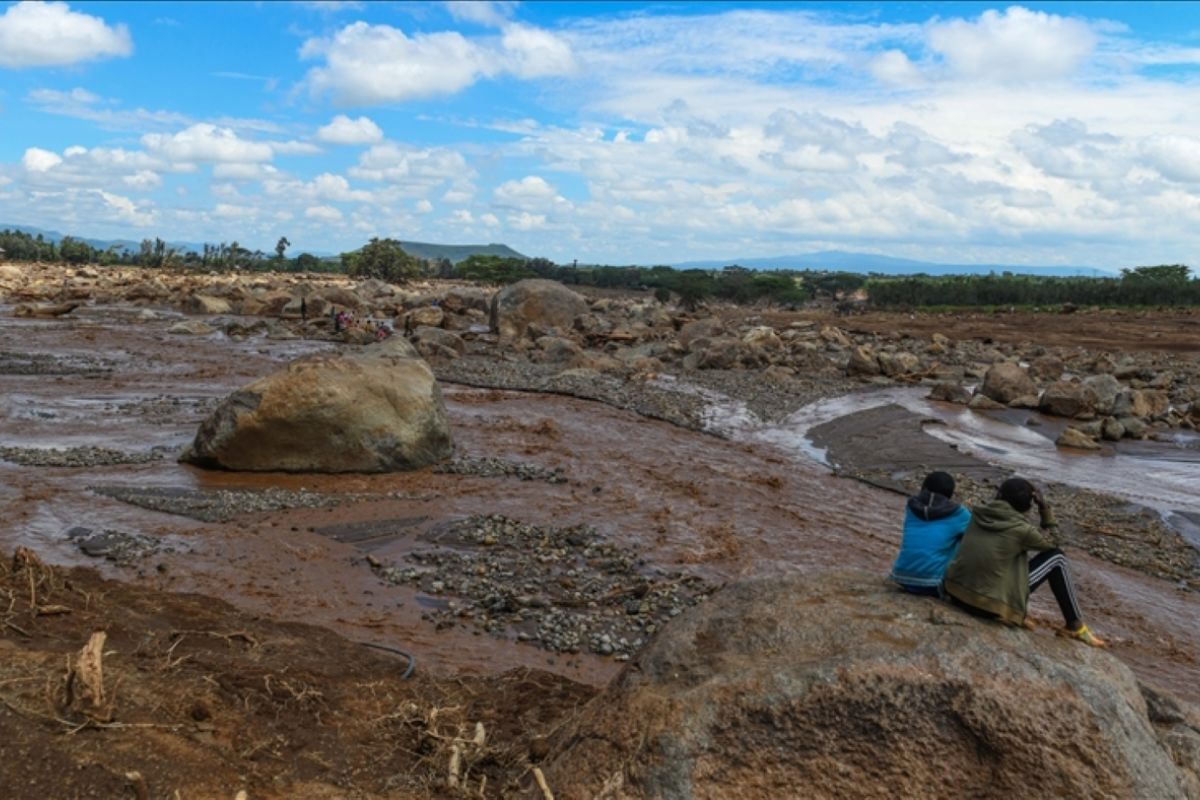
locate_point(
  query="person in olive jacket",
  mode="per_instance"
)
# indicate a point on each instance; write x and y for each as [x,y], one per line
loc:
[992,574]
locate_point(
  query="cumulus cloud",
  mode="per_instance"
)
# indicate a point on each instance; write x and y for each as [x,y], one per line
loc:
[894,68]
[1177,158]
[374,64]
[52,35]
[38,160]
[343,130]
[204,142]
[1014,44]
[323,213]
[530,190]
[483,12]
[418,167]
[1066,149]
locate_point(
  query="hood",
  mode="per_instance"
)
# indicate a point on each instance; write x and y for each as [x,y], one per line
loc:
[998,515]
[930,506]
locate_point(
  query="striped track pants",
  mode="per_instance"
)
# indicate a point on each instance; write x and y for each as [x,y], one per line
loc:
[1051,565]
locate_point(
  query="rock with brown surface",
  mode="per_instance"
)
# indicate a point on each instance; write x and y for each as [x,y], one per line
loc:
[207,304]
[425,316]
[535,306]
[1007,381]
[1068,399]
[438,341]
[1077,439]
[843,687]
[1047,368]
[863,361]
[950,393]
[379,411]
[709,328]
[1106,388]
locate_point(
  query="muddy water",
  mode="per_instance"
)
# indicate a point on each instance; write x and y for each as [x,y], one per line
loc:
[719,507]
[1161,475]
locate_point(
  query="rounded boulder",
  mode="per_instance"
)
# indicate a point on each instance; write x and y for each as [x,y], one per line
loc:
[535,306]
[379,411]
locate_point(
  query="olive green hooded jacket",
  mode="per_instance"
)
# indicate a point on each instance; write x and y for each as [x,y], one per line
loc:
[990,571]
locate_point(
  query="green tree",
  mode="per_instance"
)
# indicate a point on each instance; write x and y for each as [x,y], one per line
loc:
[280,247]
[384,259]
[74,251]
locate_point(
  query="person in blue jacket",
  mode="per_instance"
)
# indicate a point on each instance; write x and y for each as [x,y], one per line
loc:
[933,526]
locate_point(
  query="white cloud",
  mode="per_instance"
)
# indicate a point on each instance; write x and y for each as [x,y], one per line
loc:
[234,211]
[527,222]
[1177,158]
[530,190]
[1014,44]
[494,13]
[535,53]
[894,68]
[51,35]
[243,171]
[204,142]
[38,160]
[423,207]
[343,130]
[295,148]
[416,167]
[126,210]
[323,213]
[374,64]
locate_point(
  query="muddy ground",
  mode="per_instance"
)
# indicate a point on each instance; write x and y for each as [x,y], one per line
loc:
[633,518]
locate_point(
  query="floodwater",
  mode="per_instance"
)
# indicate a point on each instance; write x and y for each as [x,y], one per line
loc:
[757,502]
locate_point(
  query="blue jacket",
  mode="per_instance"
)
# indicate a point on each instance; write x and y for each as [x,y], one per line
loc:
[933,527]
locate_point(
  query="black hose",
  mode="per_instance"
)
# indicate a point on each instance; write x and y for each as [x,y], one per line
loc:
[412,662]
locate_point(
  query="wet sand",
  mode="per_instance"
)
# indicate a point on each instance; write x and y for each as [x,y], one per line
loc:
[689,501]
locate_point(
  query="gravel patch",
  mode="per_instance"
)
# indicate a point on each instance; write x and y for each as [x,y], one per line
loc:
[13,363]
[88,456]
[565,589]
[499,468]
[222,505]
[120,547]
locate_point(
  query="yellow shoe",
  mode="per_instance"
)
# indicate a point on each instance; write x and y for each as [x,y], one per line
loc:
[1084,634]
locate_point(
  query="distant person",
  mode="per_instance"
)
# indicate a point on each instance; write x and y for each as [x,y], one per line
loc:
[303,310]
[933,526]
[992,574]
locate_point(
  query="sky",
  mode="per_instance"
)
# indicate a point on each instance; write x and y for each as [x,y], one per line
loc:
[1043,133]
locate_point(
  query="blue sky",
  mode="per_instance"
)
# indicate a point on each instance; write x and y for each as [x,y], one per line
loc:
[1043,133]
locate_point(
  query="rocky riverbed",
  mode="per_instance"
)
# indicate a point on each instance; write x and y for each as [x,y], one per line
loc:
[587,503]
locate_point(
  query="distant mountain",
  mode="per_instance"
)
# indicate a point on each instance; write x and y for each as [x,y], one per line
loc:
[131,244]
[887,265]
[100,244]
[458,252]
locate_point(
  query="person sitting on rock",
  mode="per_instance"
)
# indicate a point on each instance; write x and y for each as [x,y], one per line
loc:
[933,527]
[992,574]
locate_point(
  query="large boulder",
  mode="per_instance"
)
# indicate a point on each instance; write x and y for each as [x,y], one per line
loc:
[863,361]
[1078,439]
[207,304]
[842,687]
[1007,381]
[709,328]
[535,306]
[379,411]
[1068,399]
[1106,388]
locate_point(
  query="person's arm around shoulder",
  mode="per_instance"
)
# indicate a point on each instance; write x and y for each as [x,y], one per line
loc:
[1043,539]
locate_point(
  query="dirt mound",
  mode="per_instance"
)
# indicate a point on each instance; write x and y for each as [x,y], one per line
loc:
[109,690]
[844,687]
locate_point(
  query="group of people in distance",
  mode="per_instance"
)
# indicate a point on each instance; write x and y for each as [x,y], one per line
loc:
[979,559]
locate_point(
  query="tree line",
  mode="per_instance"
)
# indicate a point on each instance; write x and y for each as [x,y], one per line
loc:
[386,259]
[1163,285]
